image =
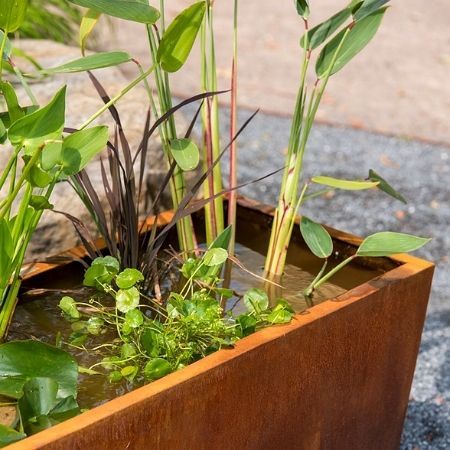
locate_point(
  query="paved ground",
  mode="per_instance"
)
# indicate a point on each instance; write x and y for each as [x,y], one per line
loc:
[398,85]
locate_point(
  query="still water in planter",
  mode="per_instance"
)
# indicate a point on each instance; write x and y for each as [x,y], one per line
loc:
[38,316]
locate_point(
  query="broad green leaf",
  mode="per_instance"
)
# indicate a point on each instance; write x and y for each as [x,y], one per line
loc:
[389,243]
[279,316]
[87,25]
[177,41]
[348,185]
[38,177]
[12,14]
[186,153]
[102,270]
[127,299]
[51,155]
[9,435]
[316,237]
[247,324]
[8,47]
[109,262]
[11,387]
[39,397]
[127,10]
[157,368]
[302,7]
[128,278]
[223,240]
[45,123]
[256,300]
[65,409]
[69,307]
[91,62]
[39,203]
[150,342]
[320,33]
[215,257]
[368,7]
[80,147]
[385,186]
[30,359]
[354,41]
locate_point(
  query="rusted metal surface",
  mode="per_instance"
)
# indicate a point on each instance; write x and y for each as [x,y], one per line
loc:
[336,377]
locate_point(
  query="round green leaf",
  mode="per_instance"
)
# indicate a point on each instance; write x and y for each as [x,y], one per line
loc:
[186,153]
[215,257]
[256,300]
[127,299]
[128,278]
[134,318]
[157,368]
[389,243]
[94,325]
[316,237]
[69,307]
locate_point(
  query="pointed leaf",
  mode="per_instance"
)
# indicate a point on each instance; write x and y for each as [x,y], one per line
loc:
[45,123]
[256,300]
[12,14]
[9,435]
[91,62]
[127,10]
[349,185]
[223,240]
[320,33]
[316,237]
[385,186]
[302,7]
[368,7]
[177,41]
[186,153]
[355,40]
[389,243]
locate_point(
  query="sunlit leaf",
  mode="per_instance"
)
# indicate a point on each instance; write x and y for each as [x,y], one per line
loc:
[215,257]
[186,153]
[389,243]
[256,300]
[177,41]
[91,62]
[157,368]
[349,185]
[127,10]
[316,237]
[385,186]
[69,307]
[127,299]
[355,40]
[128,278]
[12,14]
[87,25]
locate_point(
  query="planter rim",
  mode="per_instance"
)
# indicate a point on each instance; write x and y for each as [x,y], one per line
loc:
[408,266]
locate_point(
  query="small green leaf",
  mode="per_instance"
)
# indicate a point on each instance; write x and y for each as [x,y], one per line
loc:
[247,324]
[279,316]
[39,203]
[355,40]
[129,372]
[256,300]
[177,41]
[80,147]
[316,237]
[94,325]
[15,112]
[150,342]
[127,299]
[90,62]
[157,368]
[385,186]
[43,124]
[215,257]
[127,351]
[320,33]
[349,185]
[134,318]
[69,307]
[368,7]
[127,10]
[388,243]
[115,376]
[128,278]
[302,7]
[186,153]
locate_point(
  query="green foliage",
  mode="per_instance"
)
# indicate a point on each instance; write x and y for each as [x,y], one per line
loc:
[316,237]
[186,153]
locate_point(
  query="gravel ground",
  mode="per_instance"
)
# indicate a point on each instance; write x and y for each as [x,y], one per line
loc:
[421,172]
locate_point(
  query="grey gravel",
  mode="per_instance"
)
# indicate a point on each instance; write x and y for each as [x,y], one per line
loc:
[419,170]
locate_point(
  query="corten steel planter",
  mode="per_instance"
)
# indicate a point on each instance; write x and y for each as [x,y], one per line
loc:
[337,377]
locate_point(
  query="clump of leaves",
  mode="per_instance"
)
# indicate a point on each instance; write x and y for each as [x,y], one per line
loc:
[38,384]
[155,339]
